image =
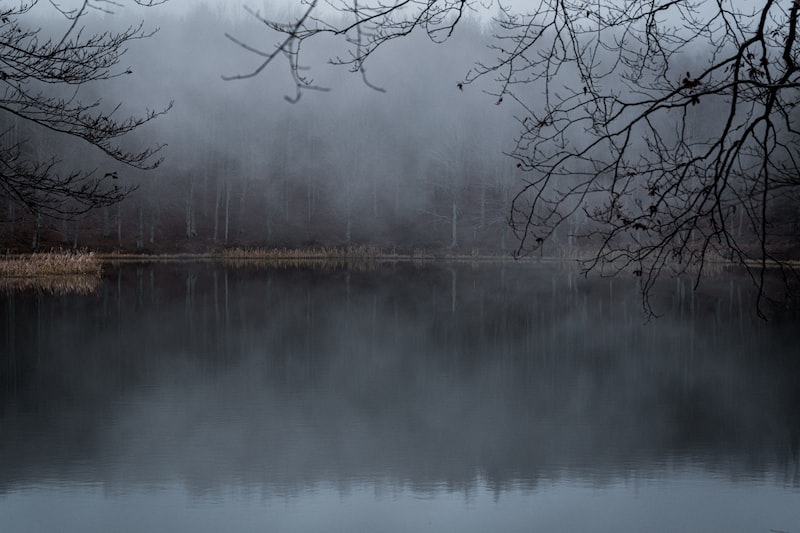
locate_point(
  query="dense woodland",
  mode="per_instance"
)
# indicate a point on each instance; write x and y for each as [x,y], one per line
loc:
[421,165]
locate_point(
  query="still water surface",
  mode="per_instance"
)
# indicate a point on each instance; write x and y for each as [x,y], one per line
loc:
[200,397]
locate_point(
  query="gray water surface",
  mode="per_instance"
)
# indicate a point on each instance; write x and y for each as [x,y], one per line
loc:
[199,397]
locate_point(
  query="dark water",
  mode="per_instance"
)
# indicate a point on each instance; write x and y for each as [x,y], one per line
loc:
[191,397]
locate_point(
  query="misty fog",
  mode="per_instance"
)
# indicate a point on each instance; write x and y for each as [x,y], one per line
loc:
[419,165]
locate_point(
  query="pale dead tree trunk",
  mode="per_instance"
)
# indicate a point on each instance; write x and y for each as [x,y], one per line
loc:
[483,203]
[75,237]
[286,196]
[454,224]
[375,195]
[204,195]
[155,217]
[217,201]
[227,206]
[242,203]
[37,225]
[139,227]
[348,230]
[189,208]
[119,225]
[479,227]
[309,200]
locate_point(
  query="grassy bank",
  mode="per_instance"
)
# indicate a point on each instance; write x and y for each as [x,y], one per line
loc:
[321,253]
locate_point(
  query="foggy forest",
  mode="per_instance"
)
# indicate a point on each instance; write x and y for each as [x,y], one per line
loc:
[421,165]
[406,157]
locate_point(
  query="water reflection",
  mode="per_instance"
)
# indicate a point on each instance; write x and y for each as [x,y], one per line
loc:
[407,379]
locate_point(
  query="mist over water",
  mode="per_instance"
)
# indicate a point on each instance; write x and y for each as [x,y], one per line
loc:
[400,397]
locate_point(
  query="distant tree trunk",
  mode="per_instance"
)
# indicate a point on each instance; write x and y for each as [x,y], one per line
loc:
[483,203]
[375,196]
[12,216]
[189,205]
[242,206]
[286,196]
[348,225]
[139,227]
[106,222]
[64,231]
[309,200]
[119,225]
[348,195]
[741,222]
[217,201]
[155,216]
[37,226]
[77,230]
[348,231]
[454,225]
[268,214]
[227,207]
[204,184]
[396,193]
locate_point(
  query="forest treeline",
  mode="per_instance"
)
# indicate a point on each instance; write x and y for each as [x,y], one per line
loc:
[421,165]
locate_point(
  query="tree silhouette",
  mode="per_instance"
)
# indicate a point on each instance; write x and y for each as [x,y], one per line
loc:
[44,75]
[669,125]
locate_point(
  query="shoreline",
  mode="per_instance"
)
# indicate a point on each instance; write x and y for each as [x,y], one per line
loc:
[56,263]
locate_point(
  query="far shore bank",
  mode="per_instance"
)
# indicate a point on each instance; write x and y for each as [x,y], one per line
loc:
[56,263]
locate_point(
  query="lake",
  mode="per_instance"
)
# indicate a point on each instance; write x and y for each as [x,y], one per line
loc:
[203,397]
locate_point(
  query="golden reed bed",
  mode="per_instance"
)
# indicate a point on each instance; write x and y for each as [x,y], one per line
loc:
[56,272]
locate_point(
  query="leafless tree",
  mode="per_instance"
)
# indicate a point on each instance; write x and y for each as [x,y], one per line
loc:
[43,75]
[668,125]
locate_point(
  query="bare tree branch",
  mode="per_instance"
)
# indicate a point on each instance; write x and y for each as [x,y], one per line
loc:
[670,125]
[34,71]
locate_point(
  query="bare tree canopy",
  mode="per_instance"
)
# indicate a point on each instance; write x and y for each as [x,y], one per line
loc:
[661,133]
[42,75]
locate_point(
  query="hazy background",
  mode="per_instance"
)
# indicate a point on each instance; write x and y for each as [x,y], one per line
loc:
[422,165]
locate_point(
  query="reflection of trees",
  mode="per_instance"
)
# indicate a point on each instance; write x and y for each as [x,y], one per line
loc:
[412,375]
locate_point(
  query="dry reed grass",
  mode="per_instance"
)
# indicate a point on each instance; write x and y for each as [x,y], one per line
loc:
[363,252]
[56,272]
[356,257]
[53,263]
